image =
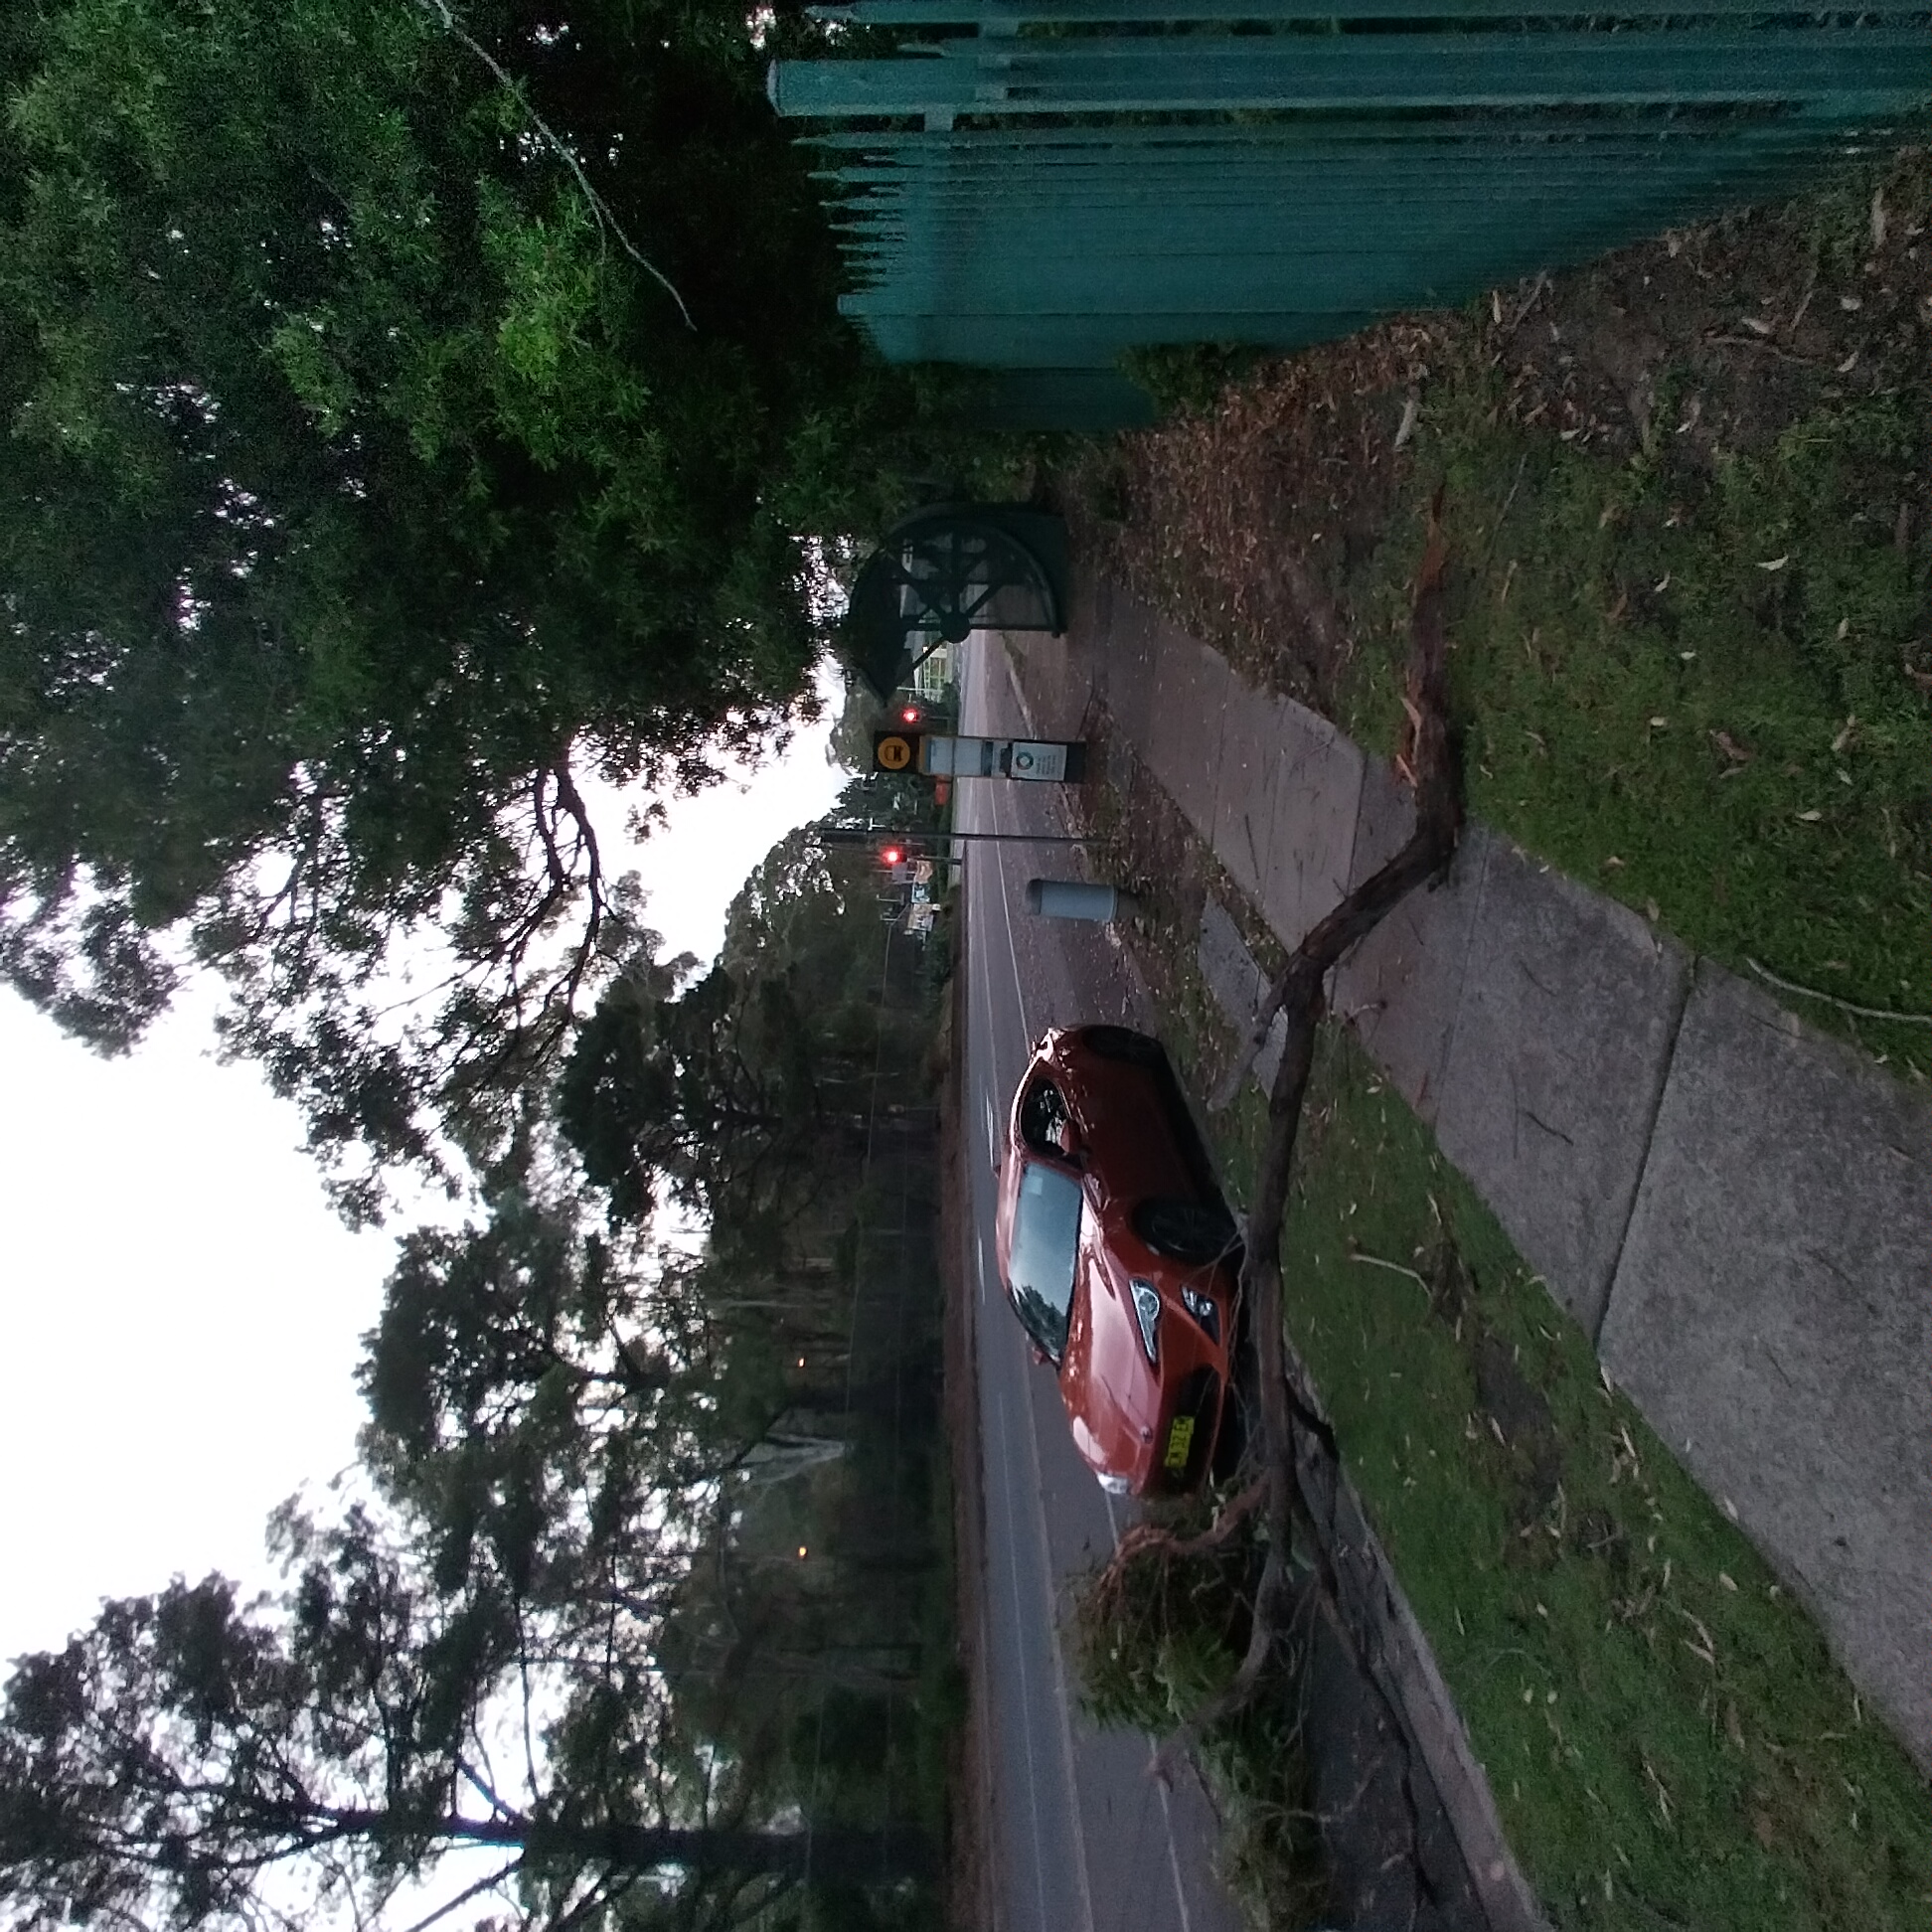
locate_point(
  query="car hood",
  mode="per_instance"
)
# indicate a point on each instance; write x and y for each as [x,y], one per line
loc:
[1113,1399]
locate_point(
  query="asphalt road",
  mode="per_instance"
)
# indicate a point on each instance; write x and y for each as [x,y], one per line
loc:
[1083,1838]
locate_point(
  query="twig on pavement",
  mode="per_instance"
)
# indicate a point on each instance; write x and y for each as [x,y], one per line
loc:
[1832,1000]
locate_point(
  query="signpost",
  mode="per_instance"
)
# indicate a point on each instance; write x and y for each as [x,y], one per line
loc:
[937,755]
[895,750]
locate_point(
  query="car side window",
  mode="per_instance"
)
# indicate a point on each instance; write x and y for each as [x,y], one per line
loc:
[1045,1255]
[1045,1123]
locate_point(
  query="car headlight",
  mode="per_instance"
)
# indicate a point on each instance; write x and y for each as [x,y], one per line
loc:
[1203,1309]
[1114,1485]
[1147,1311]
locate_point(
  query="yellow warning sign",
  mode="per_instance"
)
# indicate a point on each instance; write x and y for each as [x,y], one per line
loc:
[894,750]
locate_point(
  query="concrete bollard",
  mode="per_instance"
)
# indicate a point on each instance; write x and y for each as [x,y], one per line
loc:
[1069,898]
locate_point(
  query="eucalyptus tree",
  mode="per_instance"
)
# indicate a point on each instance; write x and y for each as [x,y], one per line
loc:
[410,416]
[372,1749]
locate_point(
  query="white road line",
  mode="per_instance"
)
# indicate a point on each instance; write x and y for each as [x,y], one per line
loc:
[1060,1700]
[1025,1699]
[1174,1854]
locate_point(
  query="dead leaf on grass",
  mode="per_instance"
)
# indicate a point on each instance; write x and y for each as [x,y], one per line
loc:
[1810,818]
[1776,562]
[1730,748]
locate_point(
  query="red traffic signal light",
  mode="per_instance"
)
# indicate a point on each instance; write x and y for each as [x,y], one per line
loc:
[909,714]
[891,855]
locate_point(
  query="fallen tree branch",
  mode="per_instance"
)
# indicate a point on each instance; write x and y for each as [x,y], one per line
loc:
[1151,1539]
[1428,759]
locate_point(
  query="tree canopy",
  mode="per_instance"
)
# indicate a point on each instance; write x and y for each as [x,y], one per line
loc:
[721,1092]
[556,1658]
[194,1761]
[412,416]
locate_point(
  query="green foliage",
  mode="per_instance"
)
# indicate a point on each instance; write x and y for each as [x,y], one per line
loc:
[366,485]
[650,1564]
[1651,1704]
[524,1374]
[1156,1636]
[1186,377]
[186,1754]
[731,1092]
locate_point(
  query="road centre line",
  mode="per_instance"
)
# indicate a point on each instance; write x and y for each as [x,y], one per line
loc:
[1025,1699]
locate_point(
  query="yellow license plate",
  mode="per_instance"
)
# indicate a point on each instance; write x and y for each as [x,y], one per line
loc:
[1179,1441]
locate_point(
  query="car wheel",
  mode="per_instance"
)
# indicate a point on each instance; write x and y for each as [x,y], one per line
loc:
[1185,1230]
[1123,1044]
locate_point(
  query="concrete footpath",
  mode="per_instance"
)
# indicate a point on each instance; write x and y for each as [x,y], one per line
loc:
[1736,1208]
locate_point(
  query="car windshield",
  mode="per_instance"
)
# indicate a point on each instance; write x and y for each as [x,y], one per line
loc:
[1045,1241]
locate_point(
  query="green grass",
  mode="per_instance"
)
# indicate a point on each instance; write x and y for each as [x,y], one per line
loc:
[1668,1741]
[1734,750]
[1701,680]
[1692,654]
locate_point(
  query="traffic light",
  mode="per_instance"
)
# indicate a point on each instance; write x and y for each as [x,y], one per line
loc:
[908,713]
[891,855]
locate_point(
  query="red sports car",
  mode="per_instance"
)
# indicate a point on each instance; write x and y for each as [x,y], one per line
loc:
[1119,1256]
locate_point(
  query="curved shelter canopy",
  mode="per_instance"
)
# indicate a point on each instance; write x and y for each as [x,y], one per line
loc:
[946,571]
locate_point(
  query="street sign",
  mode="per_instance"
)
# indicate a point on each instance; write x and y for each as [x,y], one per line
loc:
[895,750]
[1048,761]
[945,755]
[1053,761]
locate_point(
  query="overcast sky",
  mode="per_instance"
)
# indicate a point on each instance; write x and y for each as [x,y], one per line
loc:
[181,1309]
